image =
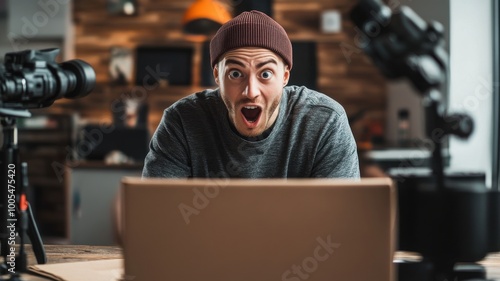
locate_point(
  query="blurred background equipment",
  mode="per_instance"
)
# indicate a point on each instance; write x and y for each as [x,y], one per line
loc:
[205,17]
[451,219]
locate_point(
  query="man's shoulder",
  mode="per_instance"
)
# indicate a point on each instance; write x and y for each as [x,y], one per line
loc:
[198,100]
[303,97]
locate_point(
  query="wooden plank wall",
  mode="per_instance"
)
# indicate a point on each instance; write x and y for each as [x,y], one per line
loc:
[344,72]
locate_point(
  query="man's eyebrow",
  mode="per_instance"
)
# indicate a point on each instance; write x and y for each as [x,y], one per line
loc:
[261,64]
[233,61]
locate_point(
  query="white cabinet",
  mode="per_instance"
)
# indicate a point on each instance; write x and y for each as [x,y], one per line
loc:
[92,194]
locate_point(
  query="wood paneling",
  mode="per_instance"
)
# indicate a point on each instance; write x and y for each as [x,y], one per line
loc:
[344,72]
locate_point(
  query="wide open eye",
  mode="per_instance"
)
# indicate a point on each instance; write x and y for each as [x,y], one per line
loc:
[266,74]
[234,74]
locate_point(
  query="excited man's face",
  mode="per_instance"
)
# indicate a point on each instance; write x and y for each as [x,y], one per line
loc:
[251,82]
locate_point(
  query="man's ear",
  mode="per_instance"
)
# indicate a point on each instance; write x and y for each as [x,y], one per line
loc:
[216,73]
[286,75]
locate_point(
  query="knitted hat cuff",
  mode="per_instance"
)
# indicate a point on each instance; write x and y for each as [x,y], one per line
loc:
[251,29]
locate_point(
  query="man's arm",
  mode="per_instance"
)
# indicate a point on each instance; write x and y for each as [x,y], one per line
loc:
[168,150]
[337,156]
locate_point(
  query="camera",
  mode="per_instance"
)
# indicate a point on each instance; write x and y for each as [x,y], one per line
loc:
[402,44]
[32,79]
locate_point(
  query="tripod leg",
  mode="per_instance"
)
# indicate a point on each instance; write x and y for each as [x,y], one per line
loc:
[36,239]
[28,225]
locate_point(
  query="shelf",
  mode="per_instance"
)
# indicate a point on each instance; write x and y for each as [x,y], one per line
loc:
[43,140]
[103,166]
[44,182]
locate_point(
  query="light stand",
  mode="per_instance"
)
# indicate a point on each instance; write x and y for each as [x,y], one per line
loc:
[16,218]
[452,220]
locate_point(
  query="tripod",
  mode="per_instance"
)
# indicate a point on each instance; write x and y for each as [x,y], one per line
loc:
[16,217]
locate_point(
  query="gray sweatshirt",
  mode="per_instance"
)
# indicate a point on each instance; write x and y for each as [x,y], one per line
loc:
[311,138]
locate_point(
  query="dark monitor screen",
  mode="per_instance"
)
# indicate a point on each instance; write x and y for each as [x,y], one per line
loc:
[304,70]
[207,76]
[133,142]
[171,64]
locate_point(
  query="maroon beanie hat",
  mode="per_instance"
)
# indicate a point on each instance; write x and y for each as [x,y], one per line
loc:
[251,29]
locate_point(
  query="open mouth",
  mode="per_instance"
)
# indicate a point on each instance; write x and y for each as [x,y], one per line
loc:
[251,113]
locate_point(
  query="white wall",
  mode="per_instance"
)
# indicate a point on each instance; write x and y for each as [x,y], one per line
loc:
[37,18]
[3,39]
[37,24]
[471,75]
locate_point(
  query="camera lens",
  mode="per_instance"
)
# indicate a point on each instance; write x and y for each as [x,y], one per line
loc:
[81,78]
[32,79]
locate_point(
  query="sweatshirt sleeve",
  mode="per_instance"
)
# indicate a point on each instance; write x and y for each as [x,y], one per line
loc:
[337,155]
[168,150]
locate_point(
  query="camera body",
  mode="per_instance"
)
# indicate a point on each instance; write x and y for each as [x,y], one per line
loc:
[33,79]
[402,44]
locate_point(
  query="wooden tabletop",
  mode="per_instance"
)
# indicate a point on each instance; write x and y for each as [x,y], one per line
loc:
[75,253]
[70,253]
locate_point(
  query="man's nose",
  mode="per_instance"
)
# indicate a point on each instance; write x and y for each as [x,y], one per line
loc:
[252,89]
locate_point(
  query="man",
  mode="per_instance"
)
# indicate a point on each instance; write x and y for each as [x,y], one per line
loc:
[253,125]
